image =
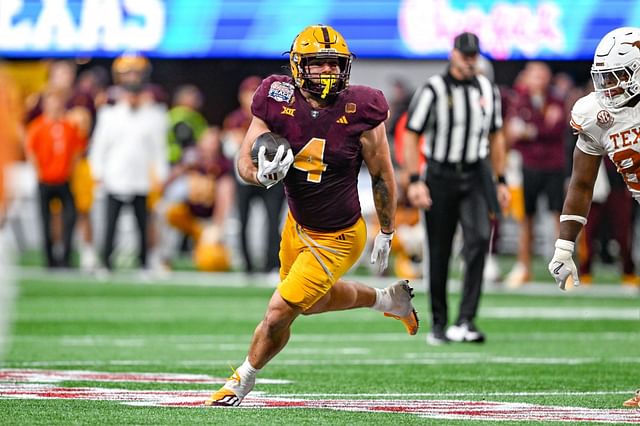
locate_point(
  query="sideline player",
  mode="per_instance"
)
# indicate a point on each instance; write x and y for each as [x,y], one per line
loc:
[332,127]
[607,122]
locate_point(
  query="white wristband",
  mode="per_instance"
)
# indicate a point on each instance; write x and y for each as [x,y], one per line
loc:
[565,245]
[574,217]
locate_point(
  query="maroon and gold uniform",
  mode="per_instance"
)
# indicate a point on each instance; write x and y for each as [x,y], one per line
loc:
[200,174]
[324,234]
[331,128]
[321,186]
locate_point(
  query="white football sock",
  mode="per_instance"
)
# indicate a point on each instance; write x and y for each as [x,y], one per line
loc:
[383,300]
[246,370]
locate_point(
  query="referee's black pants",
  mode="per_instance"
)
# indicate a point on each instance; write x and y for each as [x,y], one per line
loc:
[47,193]
[273,199]
[458,197]
[114,205]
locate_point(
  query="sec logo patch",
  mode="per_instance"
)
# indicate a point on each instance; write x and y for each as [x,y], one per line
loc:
[604,119]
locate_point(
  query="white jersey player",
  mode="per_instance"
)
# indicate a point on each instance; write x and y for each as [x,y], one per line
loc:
[608,123]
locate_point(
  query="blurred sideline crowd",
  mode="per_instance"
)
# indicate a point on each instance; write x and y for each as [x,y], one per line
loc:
[115,141]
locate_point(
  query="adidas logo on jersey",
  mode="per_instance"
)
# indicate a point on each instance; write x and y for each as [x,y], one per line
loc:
[342,120]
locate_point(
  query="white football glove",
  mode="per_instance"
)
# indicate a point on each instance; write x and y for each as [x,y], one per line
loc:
[562,265]
[381,249]
[210,235]
[272,172]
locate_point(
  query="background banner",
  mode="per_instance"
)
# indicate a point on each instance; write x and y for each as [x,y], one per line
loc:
[394,29]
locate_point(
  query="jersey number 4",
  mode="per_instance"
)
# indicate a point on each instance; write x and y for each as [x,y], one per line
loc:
[628,164]
[309,159]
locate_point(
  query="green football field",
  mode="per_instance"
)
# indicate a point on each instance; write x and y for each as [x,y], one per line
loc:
[131,351]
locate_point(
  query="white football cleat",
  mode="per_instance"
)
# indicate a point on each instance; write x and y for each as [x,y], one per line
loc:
[88,259]
[402,309]
[465,332]
[233,392]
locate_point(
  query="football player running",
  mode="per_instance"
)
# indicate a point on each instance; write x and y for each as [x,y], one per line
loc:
[332,127]
[607,121]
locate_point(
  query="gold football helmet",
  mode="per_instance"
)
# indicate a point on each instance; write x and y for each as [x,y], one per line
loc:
[211,257]
[320,42]
[131,71]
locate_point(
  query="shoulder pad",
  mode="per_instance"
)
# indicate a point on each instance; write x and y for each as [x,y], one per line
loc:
[370,103]
[273,89]
[583,116]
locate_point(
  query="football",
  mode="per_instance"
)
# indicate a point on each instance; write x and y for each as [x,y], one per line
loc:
[271,141]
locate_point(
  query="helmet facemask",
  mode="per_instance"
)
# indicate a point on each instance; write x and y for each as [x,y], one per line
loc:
[616,67]
[318,45]
[323,86]
[616,86]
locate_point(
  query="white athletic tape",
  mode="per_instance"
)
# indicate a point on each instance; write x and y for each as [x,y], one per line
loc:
[574,217]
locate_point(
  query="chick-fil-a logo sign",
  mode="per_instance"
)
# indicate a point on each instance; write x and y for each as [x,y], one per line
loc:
[430,26]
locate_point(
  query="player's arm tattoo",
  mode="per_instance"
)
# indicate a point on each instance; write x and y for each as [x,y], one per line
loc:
[375,152]
[384,201]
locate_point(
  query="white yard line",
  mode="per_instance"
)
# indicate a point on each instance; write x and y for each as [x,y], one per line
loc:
[564,312]
[406,359]
[290,350]
[231,341]
[13,375]
[454,394]
[56,376]
[438,408]
[505,312]
[239,280]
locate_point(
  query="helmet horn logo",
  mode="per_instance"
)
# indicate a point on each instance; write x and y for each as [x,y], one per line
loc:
[616,67]
[634,44]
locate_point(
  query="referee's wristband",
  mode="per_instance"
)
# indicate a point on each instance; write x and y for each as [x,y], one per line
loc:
[414,177]
[501,180]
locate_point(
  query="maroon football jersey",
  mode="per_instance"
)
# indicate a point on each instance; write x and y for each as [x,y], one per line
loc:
[322,183]
[214,168]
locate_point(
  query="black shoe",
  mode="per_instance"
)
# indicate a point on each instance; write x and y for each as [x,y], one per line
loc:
[437,337]
[465,332]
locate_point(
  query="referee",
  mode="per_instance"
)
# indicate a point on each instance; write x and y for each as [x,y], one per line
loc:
[459,114]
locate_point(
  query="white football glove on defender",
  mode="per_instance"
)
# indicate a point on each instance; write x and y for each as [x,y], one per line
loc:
[561,266]
[381,249]
[272,172]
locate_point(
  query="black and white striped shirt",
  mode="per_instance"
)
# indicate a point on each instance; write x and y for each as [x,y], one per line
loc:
[456,118]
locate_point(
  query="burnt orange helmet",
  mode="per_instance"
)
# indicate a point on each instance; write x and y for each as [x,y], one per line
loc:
[320,42]
[131,71]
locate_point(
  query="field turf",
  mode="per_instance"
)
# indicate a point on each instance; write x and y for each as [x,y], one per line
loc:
[545,348]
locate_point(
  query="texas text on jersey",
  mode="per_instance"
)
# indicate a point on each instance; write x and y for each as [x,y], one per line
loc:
[322,184]
[614,132]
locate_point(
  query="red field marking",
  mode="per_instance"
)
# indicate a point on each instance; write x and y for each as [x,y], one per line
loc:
[54,376]
[437,409]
